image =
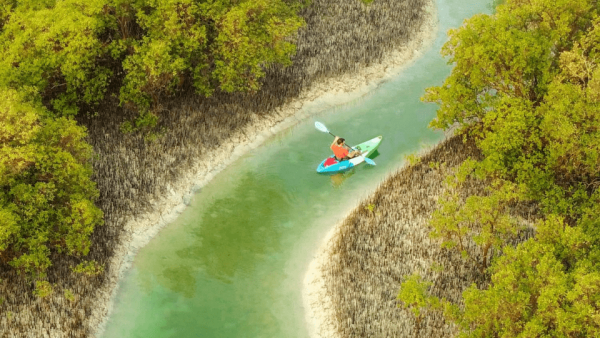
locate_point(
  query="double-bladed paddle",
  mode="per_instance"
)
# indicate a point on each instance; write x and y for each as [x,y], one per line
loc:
[321,127]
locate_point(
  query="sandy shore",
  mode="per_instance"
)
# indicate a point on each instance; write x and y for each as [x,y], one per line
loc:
[139,231]
[318,304]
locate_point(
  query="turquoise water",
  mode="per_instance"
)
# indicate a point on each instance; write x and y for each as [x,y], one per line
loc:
[233,263]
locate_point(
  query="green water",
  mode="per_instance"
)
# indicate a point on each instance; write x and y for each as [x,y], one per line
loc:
[233,263]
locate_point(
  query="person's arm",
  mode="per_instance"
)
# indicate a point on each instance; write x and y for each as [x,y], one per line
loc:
[334,141]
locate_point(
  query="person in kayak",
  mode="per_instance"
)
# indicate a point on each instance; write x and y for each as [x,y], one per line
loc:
[341,150]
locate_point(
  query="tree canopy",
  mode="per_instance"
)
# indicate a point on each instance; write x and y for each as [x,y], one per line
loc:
[74,51]
[545,287]
[46,194]
[526,86]
[60,58]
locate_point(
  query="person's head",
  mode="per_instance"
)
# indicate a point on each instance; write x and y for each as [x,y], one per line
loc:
[340,141]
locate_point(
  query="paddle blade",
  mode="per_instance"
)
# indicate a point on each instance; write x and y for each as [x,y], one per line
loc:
[321,127]
[369,161]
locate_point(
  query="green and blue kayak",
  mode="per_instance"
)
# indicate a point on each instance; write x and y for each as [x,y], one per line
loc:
[331,165]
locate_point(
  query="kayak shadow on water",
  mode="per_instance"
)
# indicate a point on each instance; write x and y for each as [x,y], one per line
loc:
[374,154]
[337,179]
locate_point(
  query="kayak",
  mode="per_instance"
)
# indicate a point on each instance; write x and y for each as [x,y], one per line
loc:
[331,165]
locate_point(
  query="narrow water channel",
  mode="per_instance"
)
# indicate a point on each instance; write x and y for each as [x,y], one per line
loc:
[233,263]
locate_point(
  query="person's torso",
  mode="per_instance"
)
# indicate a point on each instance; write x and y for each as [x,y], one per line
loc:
[339,152]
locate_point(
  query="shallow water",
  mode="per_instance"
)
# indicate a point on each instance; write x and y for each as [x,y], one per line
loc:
[233,263]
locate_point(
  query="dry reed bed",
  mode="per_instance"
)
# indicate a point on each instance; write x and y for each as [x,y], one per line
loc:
[134,176]
[372,251]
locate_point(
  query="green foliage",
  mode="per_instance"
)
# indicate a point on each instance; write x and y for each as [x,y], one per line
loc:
[89,268]
[127,127]
[590,225]
[437,267]
[526,87]
[496,3]
[46,195]
[69,55]
[482,219]
[412,159]
[434,165]
[252,36]
[145,122]
[6,8]
[414,295]
[174,44]
[544,287]
[186,41]
[513,53]
[71,51]
[56,51]
[43,289]
[69,295]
